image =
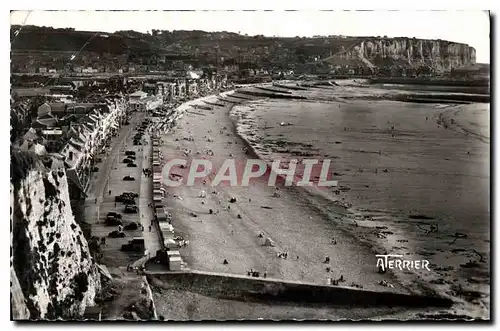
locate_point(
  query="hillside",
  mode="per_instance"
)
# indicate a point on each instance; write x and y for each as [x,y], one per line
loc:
[49,39]
[224,48]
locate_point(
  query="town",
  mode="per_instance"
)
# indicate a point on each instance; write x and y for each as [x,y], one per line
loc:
[193,175]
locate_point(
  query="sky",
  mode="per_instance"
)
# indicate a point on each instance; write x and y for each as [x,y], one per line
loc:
[471,27]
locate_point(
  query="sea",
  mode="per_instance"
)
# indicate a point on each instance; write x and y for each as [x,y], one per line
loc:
[415,177]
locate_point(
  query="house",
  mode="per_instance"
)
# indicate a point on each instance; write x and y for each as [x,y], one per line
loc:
[193,75]
[46,122]
[44,109]
[138,95]
[89,70]
[95,123]
[31,134]
[51,109]
[136,100]
[33,146]
[72,154]
[140,101]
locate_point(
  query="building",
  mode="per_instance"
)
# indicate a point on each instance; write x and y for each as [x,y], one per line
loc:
[137,100]
[86,138]
[89,70]
[140,101]
[51,109]
[45,121]
[33,146]
[192,88]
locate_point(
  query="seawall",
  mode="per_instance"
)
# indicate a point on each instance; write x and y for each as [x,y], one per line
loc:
[259,289]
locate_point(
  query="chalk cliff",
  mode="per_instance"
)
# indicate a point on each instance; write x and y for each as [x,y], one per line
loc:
[52,272]
[441,55]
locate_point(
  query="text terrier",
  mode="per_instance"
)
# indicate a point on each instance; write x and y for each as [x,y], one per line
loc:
[384,263]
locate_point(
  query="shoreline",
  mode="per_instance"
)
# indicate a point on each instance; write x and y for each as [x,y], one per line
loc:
[183,202]
[290,222]
[423,284]
[204,255]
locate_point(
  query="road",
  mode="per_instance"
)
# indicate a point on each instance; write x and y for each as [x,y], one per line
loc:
[108,179]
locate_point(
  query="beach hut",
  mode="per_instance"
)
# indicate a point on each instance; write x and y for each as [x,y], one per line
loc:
[175,263]
[161,216]
[167,235]
[170,243]
[157,169]
[166,227]
[173,253]
[157,192]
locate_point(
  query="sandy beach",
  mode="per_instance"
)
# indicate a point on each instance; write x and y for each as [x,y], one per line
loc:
[302,222]
[292,224]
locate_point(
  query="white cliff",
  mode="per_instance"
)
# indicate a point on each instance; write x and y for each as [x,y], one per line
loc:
[408,52]
[51,257]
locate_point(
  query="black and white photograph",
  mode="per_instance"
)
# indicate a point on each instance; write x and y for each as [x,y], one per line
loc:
[235,165]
